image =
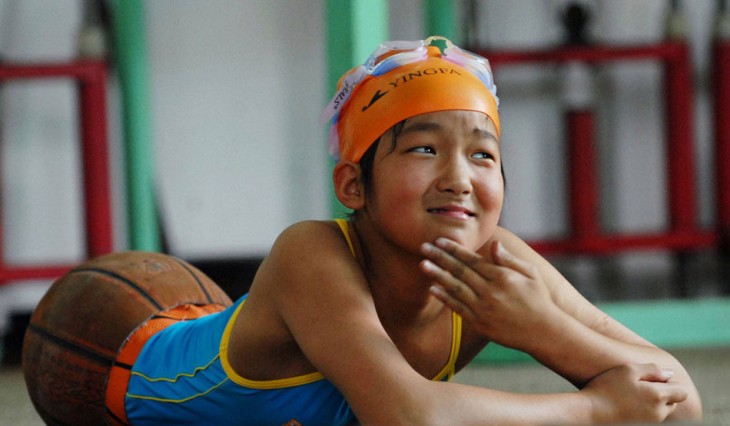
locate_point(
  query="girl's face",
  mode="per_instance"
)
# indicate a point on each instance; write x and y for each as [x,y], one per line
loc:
[442,179]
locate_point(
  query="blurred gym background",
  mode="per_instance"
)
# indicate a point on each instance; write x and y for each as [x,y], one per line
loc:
[192,127]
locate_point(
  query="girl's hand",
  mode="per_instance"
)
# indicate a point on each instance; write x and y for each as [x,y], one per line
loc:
[505,300]
[634,393]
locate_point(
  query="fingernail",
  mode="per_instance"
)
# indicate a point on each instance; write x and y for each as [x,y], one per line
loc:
[501,251]
[667,373]
[441,242]
[436,290]
[428,265]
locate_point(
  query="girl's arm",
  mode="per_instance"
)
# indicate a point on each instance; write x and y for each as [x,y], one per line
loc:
[324,300]
[515,297]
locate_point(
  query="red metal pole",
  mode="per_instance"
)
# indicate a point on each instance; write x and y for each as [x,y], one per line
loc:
[2,255]
[721,82]
[583,187]
[95,157]
[680,152]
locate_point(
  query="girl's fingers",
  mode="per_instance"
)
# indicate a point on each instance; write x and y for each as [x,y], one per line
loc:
[459,261]
[456,288]
[503,257]
[672,393]
[453,303]
[449,262]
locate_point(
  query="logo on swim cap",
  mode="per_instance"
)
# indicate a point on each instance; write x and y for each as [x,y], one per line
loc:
[405,79]
[378,94]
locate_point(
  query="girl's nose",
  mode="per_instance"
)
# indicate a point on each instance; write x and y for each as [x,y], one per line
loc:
[455,178]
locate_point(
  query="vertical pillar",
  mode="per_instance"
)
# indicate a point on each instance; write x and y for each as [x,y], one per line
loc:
[678,85]
[678,95]
[583,184]
[95,158]
[131,59]
[440,19]
[680,152]
[721,86]
[354,29]
[578,99]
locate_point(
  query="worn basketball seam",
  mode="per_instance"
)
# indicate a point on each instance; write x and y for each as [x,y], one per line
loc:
[74,347]
[114,416]
[197,280]
[123,365]
[131,284]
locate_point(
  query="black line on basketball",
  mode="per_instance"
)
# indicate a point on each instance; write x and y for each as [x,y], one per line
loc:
[54,420]
[73,347]
[123,365]
[200,284]
[114,416]
[131,284]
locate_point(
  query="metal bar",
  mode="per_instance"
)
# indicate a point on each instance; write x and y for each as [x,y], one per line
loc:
[95,159]
[680,151]
[592,54]
[78,69]
[721,92]
[608,244]
[583,182]
[20,273]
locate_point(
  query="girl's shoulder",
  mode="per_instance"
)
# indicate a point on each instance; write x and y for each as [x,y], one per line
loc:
[315,236]
[310,247]
[512,243]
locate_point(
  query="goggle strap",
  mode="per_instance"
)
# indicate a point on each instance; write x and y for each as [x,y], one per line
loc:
[342,95]
[334,143]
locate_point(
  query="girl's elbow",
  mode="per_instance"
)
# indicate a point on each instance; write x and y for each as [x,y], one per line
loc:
[413,409]
[690,409]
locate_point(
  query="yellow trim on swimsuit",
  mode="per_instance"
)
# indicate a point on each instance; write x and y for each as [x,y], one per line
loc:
[446,373]
[450,368]
[258,384]
[345,228]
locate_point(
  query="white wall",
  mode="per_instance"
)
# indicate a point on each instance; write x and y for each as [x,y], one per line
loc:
[236,91]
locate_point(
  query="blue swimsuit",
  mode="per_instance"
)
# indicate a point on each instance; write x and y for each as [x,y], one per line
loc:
[183,376]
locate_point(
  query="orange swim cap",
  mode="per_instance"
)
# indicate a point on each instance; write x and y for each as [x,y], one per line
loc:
[435,82]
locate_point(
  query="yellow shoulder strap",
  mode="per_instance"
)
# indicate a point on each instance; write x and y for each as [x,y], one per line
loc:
[455,343]
[345,228]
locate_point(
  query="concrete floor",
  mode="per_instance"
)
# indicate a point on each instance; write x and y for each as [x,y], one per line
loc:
[710,368]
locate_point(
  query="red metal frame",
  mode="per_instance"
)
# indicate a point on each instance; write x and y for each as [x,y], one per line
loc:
[91,82]
[586,236]
[721,90]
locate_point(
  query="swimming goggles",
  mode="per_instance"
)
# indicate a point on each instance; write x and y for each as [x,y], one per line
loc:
[393,54]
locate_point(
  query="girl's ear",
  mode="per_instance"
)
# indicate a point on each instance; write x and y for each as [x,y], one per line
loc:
[348,185]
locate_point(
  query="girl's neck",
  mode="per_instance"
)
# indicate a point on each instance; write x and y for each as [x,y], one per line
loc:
[398,287]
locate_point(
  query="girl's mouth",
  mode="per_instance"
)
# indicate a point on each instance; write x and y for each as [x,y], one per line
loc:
[455,212]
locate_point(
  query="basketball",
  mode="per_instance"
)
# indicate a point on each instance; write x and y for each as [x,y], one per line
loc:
[78,327]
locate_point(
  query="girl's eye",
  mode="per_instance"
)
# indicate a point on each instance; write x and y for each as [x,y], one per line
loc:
[483,156]
[423,150]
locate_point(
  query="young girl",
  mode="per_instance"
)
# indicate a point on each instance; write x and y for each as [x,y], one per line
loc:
[366,320]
